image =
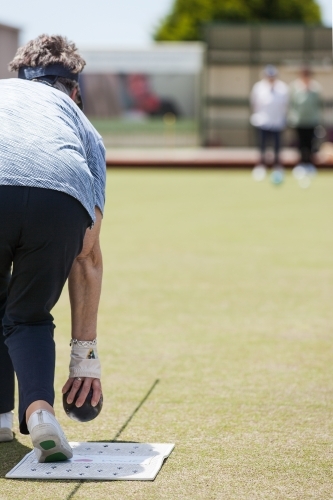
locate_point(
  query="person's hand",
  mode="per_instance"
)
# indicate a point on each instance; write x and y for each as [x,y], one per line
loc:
[74,384]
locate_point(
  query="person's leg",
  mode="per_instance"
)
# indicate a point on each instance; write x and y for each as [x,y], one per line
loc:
[302,144]
[262,137]
[6,372]
[10,213]
[51,237]
[305,139]
[277,145]
[308,144]
[6,365]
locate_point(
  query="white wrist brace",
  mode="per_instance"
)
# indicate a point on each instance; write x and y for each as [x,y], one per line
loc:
[84,362]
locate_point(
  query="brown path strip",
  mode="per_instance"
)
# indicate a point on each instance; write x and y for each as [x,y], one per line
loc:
[200,158]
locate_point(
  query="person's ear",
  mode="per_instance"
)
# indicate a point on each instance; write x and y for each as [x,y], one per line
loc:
[74,94]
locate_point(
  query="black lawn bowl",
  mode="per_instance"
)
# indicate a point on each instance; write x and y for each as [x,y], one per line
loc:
[86,412]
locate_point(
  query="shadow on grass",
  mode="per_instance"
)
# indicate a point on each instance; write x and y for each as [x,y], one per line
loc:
[90,481]
[116,441]
[11,453]
[121,430]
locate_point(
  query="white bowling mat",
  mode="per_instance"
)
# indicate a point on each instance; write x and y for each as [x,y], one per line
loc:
[99,461]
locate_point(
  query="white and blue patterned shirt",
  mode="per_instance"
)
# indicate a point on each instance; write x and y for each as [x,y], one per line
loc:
[47,142]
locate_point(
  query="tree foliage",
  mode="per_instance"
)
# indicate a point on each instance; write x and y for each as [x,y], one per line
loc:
[187,16]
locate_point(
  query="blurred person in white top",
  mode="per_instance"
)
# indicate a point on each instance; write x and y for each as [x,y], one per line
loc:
[269,103]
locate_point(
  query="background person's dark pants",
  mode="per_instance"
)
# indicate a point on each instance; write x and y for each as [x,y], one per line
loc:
[41,233]
[265,137]
[305,142]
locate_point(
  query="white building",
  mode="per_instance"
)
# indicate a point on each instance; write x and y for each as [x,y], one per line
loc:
[9,39]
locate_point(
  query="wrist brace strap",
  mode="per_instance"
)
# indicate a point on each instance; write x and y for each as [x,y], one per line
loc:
[84,362]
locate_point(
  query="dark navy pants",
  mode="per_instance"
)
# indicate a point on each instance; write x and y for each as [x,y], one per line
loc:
[41,233]
[266,136]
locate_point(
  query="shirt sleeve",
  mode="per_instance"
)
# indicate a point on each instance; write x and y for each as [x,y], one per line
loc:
[97,167]
[254,96]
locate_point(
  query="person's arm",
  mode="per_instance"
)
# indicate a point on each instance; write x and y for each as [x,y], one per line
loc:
[84,284]
[251,101]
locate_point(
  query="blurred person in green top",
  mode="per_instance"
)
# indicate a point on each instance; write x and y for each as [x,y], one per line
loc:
[304,113]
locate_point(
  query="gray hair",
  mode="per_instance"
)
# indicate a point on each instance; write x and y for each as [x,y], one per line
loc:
[45,50]
[63,87]
[67,86]
[55,49]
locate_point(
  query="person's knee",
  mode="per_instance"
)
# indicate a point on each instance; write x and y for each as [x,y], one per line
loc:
[27,328]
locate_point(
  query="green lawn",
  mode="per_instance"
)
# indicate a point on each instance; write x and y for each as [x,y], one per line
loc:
[150,132]
[107,126]
[222,289]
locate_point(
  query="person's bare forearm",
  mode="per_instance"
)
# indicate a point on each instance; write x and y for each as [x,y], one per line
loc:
[84,284]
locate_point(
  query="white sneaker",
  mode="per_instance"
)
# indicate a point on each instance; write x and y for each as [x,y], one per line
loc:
[48,439]
[6,426]
[259,172]
[310,169]
[299,172]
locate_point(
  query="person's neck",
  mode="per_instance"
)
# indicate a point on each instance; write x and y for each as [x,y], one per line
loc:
[306,82]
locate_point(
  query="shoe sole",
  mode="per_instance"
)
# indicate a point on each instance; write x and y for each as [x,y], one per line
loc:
[6,435]
[48,445]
